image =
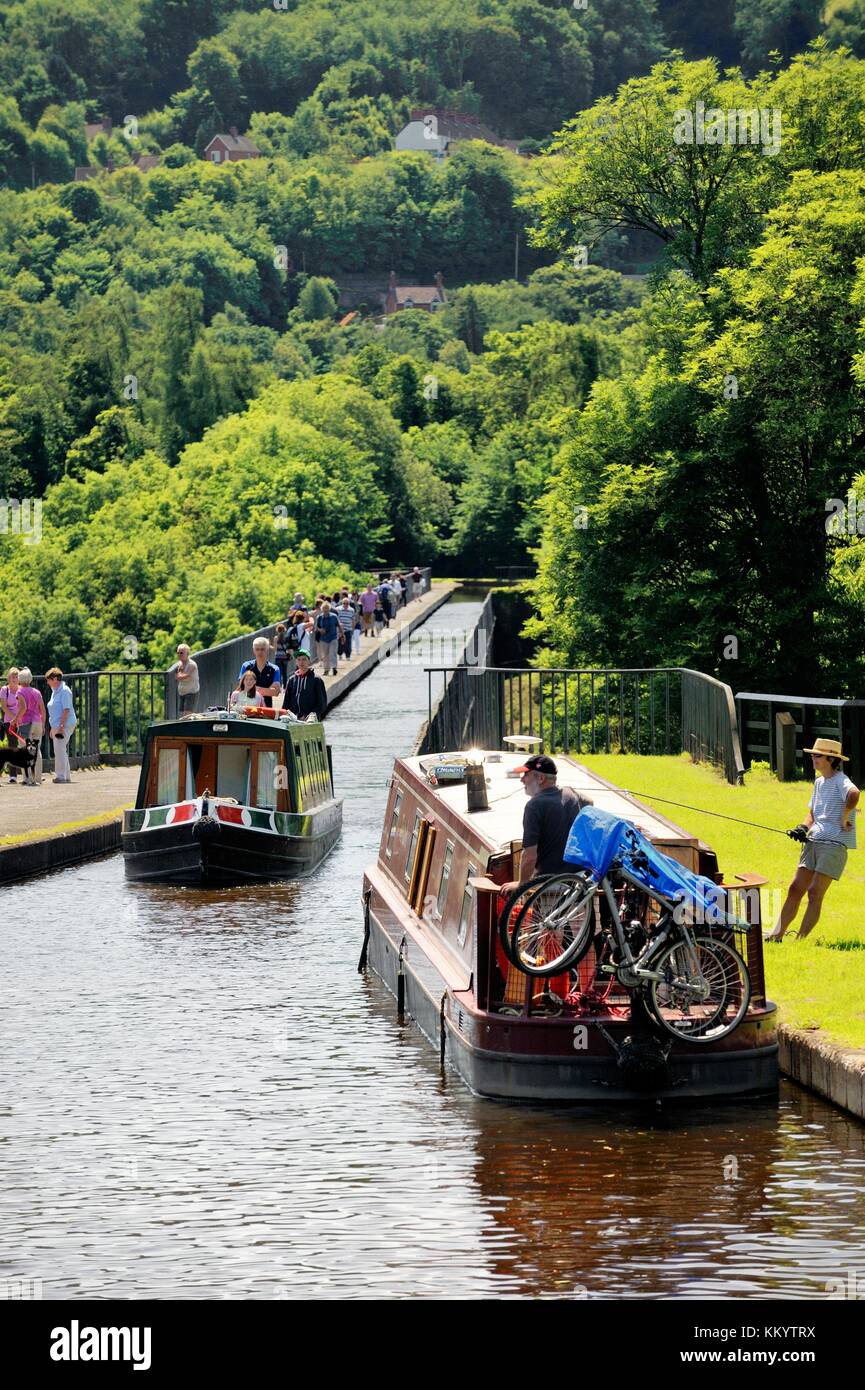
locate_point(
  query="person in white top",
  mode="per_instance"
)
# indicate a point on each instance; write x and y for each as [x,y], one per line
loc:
[185,672]
[245,693]
[826,834]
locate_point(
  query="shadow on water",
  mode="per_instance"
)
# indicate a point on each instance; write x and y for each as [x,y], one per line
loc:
[203,1099]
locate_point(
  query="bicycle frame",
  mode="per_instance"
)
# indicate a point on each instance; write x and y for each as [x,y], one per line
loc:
[667,926]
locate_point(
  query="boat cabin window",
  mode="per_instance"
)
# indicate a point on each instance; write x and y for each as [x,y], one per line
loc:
[394,821]
[313,771]
[466,911]
[253,774]
[267,779]
[443,882]
[409,863]
[168,776]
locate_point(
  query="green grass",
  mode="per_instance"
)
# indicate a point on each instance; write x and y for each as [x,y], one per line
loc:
[819,982]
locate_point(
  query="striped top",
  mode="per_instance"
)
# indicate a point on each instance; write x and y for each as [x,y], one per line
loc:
[345,617]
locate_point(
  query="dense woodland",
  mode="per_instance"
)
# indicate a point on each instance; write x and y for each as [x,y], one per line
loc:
[207,432]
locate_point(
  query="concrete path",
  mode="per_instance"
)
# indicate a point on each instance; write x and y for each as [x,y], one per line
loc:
[94,794]
[373,649]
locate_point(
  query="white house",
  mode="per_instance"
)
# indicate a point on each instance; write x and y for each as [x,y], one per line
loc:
[436,131]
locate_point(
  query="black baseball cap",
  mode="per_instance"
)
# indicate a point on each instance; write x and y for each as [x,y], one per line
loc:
[539,763]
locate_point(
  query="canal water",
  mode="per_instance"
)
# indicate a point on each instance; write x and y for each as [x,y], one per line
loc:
[203,1099]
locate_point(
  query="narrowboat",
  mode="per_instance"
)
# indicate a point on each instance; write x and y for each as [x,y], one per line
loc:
[431,907]
[226,799]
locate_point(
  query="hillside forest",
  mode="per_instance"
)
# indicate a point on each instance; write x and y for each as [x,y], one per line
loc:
[643,385]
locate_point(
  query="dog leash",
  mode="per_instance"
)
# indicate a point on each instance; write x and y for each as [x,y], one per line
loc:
[754,825]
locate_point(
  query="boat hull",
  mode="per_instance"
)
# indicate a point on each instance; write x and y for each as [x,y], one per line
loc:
[208,852]
[564,1059]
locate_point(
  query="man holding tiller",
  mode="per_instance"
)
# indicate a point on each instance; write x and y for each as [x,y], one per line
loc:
[826,834]
[549,814]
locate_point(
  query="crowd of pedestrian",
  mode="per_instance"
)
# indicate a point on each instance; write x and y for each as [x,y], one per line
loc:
[25,716]
[321,634]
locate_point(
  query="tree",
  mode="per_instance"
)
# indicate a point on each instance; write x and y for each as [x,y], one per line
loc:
[784,26]
[318,298]
[176,331]
[701,29]
[403,392]
[470,322]
[710,470]
[14,145]
[637,161]
[845,26]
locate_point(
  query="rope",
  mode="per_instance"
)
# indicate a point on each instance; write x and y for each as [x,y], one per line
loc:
[755,825]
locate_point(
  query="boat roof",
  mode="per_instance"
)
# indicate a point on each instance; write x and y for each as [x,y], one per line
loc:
[220,723]
[503,822]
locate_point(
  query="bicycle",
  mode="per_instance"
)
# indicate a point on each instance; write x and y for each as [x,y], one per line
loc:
[695,985]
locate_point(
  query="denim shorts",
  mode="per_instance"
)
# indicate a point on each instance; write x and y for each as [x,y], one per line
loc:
[824,857]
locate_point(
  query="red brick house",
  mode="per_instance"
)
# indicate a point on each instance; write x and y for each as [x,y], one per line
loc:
[427,297]
[223,148]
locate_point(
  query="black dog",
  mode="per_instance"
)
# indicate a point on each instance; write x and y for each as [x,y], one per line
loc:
[14,754]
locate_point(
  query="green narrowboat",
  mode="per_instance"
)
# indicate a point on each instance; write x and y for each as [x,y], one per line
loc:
[225,799]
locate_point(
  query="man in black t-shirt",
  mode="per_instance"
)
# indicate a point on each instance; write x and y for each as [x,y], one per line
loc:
[547,820]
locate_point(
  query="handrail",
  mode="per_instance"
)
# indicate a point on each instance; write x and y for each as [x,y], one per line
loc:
[708,721]
[836,701]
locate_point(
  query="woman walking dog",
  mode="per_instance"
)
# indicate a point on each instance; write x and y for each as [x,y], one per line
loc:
[826,834]
[14,711]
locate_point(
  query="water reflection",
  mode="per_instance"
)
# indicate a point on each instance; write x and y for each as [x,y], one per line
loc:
[204,1100]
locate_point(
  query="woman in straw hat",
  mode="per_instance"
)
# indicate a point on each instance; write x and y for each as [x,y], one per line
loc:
[826,834]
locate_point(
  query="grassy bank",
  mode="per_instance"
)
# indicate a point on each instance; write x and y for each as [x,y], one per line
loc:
[819,982]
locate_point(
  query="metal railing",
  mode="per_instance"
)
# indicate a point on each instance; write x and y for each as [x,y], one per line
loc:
[710,729]
[467,700]
[586,710]
[113,710]
[816,717]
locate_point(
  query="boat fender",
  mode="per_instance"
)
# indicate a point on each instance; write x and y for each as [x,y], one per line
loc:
[205,828]
[364,950]
[643,1061]
[400,982]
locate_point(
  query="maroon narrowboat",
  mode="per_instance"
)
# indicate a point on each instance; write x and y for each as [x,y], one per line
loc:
[431,905]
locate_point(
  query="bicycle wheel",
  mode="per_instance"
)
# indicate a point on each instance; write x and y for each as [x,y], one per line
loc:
[513,905]
[554,928]
[704,991]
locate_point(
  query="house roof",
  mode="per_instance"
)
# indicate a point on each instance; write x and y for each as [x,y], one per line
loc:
[146,161]
[459,125]
[421,294]
[235,142]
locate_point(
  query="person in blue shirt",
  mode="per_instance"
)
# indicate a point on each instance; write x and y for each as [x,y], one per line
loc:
[826,834]
[61,722]
[268,681]
[326,634]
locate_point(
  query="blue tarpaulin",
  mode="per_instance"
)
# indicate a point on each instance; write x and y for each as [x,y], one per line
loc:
[597,838]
